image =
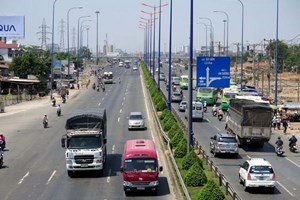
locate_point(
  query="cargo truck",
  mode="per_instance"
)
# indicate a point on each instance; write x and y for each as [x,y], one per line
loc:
[85,141]
[250,121]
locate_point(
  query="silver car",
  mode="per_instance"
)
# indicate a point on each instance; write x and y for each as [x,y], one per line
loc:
[224,143]
[136,121]
[182,106]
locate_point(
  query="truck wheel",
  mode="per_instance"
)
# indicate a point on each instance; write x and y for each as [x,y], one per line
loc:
[70,174]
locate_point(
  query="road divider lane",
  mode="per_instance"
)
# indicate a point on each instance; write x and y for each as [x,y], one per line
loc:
[22,179]
[50,178]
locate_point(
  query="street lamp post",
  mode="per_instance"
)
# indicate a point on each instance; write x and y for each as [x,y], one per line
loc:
[78,47]
[276,56]
[97,13]
[242,43]
[226,28]
[206,47]
[154,12]
[190,87]
[81,31]
[170,57]
[211,53]
[68,36]
[52,51]
[224,21]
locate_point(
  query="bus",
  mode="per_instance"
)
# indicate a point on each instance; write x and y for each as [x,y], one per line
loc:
[208,94]
[184,82]
[140,166]
[227,94]
[108,77]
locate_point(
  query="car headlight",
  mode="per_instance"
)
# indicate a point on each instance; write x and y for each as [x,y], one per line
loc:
[69,161]
[127,183]
[153,183]
[98,160]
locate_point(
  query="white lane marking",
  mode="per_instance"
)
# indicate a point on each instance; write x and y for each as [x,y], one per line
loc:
[217,128]
[121,110]
[285,188]
[147,109]
[53,173]
[113,149]
[22,179]
[118,119]
[124,98]
[122,103]
[108,178]
[99,103]
[292,162]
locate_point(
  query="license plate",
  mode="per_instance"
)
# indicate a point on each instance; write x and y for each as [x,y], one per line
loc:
[140,188]
[84,165]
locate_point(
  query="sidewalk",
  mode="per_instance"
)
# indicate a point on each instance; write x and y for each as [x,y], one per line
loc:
[27,105]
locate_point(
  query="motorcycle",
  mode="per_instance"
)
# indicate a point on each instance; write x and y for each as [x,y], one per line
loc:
[214,112]
[45,123]
[53,102]
[1,160]
[293,147]
[278,150]
[2,144]
[94,87]
[220,117]
[58,112]
[63,99]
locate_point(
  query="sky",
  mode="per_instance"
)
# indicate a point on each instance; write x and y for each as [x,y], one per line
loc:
[119,20]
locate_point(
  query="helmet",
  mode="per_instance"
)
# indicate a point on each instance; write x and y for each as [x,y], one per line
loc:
[293,135]
[45,114]
[279,137]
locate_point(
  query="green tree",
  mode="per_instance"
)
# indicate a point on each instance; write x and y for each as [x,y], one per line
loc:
[31,64]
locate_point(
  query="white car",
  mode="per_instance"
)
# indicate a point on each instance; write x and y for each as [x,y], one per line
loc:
[257,172]
[136,121]
[182,106]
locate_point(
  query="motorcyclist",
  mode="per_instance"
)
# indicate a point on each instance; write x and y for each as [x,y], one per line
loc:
[292,140]
[220,112]
[45,118]
[2,137]
[58,109]
[53,101]
[214,110]
[278,143]
[94,86]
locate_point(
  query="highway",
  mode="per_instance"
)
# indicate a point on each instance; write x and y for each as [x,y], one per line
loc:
[286,168]
[34,165]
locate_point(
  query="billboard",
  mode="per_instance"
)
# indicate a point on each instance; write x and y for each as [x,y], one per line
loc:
[12,26]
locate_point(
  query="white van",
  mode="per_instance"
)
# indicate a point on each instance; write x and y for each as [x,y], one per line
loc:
[197,111]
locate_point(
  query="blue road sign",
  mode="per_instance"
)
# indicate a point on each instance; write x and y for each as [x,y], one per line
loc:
[213,72]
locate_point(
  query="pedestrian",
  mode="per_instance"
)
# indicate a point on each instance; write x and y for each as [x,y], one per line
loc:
[274,122]
[285,125]
[181,93]
[278,121]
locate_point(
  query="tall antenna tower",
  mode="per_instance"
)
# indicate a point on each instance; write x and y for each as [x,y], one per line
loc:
[73,41]
[62,36]
[44,33]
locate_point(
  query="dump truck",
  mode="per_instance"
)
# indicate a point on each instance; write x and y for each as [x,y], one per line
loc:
[85,141]
[250,120]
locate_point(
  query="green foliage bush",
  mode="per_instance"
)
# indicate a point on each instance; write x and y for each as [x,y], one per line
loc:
[163,114]
[172,132]
[161,105]
[189,160]
[176,139]
[181,148]
[195,176]
[211,191]
[168,125]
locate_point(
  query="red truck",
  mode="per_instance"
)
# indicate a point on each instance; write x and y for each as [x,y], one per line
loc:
[140,167]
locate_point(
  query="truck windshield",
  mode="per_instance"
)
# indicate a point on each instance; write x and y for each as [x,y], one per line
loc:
[85,142]
[140,165]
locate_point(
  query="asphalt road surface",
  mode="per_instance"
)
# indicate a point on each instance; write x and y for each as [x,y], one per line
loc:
[286,168]
[34,165]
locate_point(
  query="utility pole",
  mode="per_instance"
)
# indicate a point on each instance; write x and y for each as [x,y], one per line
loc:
[236,58]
